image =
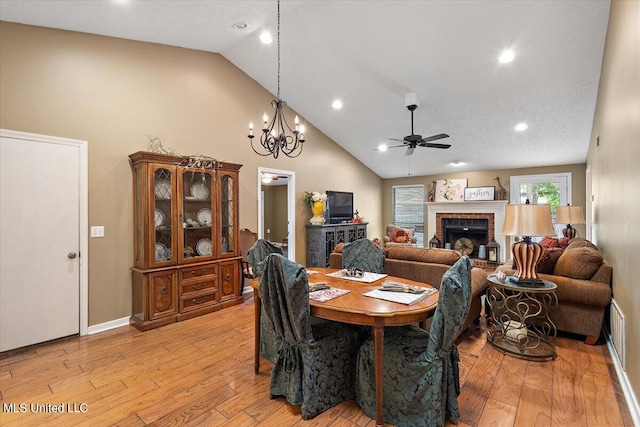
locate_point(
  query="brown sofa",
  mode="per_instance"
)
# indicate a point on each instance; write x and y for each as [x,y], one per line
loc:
[583,278]
[426,265]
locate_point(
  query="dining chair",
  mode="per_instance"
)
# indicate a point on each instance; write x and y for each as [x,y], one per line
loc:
[256,256]
[364,254]
[315,365]
[246,239]
[421,377]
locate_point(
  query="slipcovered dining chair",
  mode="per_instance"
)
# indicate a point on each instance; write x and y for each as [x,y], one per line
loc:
[364,254]
[256,255]
[421,377]
[315,365]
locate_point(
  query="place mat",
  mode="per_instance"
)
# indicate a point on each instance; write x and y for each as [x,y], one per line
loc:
[324,295]
[401,297]
[366,278]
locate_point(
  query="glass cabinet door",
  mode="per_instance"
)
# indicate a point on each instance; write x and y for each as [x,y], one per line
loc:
[228,214]
[198,215]
[162,252]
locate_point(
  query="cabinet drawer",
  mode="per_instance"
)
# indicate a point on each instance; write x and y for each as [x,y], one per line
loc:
[197,271]
[191,287]
[197,301]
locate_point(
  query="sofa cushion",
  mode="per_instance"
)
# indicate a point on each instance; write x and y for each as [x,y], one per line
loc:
[428,255]
[548,260]
[579,242]
[578,263]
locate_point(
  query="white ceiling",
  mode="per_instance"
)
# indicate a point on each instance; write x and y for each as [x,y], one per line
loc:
[370,54]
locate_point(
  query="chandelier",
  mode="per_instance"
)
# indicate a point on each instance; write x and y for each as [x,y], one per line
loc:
[274,138]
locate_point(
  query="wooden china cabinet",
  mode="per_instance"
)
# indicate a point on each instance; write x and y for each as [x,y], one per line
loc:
[186,257]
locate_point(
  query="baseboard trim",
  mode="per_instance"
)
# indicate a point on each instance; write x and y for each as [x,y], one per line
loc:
[632,401]
[112,324]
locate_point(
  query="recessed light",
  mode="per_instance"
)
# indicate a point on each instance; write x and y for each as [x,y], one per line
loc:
[382,147]
[521,126]
[506,57]
[337,104]
[457,163]
[265,37]
[240,25]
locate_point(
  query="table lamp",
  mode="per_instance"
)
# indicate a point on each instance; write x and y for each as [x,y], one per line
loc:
[569,215]
[527,221]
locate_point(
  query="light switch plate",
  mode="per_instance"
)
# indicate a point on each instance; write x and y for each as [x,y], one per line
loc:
[97,231]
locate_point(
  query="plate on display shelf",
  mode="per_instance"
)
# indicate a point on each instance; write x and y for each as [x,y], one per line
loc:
[159,221]
[199,191]
[162,253]
[203,247]
[163,189]
[203,216]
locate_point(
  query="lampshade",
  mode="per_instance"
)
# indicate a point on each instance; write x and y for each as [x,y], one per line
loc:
[527,220]
[569,215]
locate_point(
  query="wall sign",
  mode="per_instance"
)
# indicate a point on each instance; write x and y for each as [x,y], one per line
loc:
[479,193]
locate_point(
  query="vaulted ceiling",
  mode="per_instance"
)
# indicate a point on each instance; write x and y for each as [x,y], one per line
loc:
[371,54]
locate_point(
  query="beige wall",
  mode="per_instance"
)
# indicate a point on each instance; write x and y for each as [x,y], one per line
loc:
[112,93]
[613,166]
[486,178]
[275,211]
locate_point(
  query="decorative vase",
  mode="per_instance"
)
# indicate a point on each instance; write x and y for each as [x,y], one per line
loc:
[317,209]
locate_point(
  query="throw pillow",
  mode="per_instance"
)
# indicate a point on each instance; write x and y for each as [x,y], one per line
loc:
[578,263]
[548,260]
[401,236]
[579,242]
[549,242]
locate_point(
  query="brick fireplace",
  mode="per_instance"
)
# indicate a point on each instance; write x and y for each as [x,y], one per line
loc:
[476,220]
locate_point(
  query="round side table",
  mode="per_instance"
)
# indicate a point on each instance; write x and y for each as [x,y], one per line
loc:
[519,318]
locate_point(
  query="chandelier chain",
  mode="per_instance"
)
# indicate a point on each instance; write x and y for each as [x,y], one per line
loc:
[278,94]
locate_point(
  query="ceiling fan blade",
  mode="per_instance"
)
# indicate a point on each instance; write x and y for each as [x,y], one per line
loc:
[396,139]
[434,137]
[435,145]
[409,151]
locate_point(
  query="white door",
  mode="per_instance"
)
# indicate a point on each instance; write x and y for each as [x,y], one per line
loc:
[39,241]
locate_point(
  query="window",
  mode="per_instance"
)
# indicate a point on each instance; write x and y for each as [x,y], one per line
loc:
[552,189]
[408,208]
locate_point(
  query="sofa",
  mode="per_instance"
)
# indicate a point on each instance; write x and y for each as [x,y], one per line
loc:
[426,265]
[583,278]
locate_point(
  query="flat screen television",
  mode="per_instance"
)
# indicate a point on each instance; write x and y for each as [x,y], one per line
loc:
[339,207]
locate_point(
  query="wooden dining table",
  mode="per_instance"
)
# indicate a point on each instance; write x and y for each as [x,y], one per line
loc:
[357,309]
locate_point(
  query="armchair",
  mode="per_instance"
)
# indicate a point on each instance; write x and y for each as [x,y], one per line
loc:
[399,236]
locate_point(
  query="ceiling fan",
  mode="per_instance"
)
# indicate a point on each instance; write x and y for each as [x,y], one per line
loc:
[412,141]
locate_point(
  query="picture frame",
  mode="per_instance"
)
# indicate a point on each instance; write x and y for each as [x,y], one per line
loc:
[479,193]
[450,190]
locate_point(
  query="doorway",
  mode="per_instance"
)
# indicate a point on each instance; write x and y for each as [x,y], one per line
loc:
[44,248]
[276,208]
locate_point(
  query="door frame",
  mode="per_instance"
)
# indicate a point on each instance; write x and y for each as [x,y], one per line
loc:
[83,198]
[291,208]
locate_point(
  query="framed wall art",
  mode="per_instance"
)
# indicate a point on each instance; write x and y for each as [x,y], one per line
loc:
[450,190]
[479,193]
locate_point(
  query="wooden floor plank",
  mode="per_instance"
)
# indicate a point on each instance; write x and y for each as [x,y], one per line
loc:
[200,373]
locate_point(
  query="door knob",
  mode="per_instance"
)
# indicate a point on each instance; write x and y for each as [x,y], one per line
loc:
[71,255]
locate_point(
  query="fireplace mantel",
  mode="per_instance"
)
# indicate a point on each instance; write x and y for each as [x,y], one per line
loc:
[496,207]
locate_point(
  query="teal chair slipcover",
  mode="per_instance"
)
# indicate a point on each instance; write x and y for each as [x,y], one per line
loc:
[315,365]
[364,254]
[421,377]
[256,255]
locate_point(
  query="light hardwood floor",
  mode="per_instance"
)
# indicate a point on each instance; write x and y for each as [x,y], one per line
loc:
[200,373]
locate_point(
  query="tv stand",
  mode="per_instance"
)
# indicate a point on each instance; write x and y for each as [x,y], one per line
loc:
[321,239]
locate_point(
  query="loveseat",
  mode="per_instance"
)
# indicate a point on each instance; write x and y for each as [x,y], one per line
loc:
[399,236]
[426,265]
[583,278]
